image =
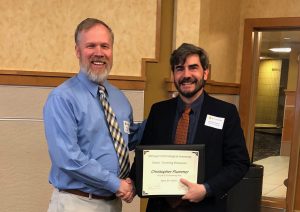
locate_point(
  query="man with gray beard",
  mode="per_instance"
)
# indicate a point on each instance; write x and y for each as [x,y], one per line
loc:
[87,126]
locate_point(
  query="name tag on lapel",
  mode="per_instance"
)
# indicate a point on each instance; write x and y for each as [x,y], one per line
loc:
[126,127]
[214,121]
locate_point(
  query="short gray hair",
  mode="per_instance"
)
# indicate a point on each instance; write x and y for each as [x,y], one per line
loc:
[87,24]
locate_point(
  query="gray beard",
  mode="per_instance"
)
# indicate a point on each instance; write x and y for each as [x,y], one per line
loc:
[97,78]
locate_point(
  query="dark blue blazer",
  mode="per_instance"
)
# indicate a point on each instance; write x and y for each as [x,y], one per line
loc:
[226,155]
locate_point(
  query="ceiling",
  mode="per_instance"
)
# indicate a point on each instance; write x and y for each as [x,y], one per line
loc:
[275,39]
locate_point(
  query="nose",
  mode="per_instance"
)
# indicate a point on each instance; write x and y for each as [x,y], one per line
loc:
[99,51]
[186,72]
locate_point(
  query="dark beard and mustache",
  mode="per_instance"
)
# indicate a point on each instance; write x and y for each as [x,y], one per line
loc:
[199,85]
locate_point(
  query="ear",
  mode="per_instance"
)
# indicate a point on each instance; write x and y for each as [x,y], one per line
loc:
[205,74]
[77,51]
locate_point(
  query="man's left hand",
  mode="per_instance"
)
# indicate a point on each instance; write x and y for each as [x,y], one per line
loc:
[196,192]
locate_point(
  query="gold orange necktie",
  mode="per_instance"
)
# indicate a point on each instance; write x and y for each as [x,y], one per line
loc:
[182,127]
[180,138]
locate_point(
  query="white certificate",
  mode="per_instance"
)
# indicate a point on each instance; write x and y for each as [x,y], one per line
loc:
[162,170]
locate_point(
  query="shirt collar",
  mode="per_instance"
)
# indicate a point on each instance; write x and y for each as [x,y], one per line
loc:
[196,105]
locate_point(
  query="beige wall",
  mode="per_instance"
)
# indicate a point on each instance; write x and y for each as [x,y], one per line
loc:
[219,35]
[270,8]
[37,35]
[213,25]
[186,22]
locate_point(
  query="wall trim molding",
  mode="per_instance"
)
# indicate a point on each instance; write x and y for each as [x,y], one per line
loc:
[53,79]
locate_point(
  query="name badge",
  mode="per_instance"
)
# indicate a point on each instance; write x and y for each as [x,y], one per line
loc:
[126,127]
[214,121]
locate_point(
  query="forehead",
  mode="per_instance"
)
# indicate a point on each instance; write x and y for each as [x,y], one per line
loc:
[97,33]
[191,59]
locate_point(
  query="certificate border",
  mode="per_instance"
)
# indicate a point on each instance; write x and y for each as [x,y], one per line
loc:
[139,158]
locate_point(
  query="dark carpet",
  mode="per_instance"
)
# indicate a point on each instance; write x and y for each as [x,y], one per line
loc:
[266,143]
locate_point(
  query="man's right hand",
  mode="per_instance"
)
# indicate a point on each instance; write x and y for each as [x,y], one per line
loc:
[126,190]
[196,192]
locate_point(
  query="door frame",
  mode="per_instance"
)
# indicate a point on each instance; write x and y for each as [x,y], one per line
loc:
[247,103]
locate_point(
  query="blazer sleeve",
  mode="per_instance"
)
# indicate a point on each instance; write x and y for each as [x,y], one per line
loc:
[158,129]
[234,160]
[146,140]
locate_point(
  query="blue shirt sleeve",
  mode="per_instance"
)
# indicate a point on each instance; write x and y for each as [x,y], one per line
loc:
[61,133]
[136,134]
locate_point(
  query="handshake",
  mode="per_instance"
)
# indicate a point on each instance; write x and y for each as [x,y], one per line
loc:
[126,190]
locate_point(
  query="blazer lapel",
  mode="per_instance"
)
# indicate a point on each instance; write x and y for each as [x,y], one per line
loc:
[202,131]
[169,120]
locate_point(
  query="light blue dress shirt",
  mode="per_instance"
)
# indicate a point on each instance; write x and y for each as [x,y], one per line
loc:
[79,143]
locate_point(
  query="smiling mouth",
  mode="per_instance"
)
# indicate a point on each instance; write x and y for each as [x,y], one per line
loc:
[98,63]
[187,83]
